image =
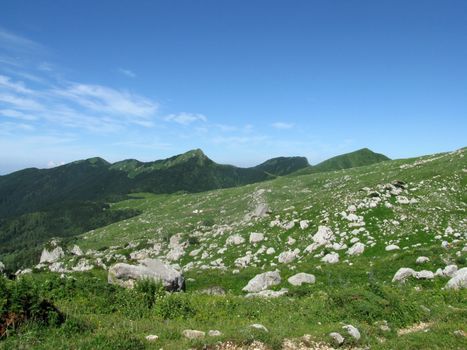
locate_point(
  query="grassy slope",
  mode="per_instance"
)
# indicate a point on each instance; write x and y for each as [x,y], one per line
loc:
[357,290]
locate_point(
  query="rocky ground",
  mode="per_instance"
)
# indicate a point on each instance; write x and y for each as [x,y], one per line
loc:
[399,224]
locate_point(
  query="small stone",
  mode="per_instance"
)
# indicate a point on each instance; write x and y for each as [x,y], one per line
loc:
[151,337]
[259,327]
[353,331]
[300,278]
[338,339]
[214,333]
[193,334]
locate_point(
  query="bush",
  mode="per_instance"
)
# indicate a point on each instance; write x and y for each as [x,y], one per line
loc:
[20,302]
[171,306]
[149,289]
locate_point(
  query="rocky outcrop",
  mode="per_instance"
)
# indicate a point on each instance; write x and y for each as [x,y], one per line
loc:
[51,254]
[126,275]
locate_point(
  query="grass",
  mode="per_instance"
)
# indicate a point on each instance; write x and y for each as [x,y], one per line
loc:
[357,290]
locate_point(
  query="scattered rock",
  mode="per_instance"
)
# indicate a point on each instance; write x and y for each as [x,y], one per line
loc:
[235,240]
[458,280]
[424,274]
[76,251]
[53,255]
[357,249]
[256,237]
[422,260]
[392,247]
[214,333]
[331,258]
[288,256]
[259,327]
[323,236]
[267,293]
[300,278]
[353,331]
[263,281]
[151,338]
[337,338]
[402,274]
[193,334]
[126,275]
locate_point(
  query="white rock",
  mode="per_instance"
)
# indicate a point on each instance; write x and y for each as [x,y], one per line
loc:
[288,256]
[459,280]
[450,270]
[76,251]
[291,241]
[267,293]
[323,236]
[353,331]
[331,258]
[193,334]
[2,267]
[256,237]
[235,240]
[338,339]
[402,274]
[126,275]
[259,327]
[351,208]
[422,260]
[51,256]
[263,281]
[304,224]
[392,247]
[424,274]
[214,333]
[300,278]
[356,249]
[270,251]
[151,337]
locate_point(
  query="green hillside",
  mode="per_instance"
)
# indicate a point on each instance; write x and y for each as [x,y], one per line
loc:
[354,159]
[283,165]
[374,220]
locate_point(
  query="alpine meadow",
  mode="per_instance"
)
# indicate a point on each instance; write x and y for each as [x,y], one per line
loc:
[233,175]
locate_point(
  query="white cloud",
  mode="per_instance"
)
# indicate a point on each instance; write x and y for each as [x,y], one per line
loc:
[127,72]
[282,125]
[107,100]
[20,102]
[11,113]
[5,82]
[185,118]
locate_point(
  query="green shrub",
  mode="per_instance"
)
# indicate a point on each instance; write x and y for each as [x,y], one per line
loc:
[149,289]
[171,306]
[21,302]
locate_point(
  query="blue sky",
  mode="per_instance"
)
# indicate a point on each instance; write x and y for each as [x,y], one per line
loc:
[243,80]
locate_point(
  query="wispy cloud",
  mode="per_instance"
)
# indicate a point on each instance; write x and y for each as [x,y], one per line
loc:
[127,72]
[282,125]
[185,118]
[14,42]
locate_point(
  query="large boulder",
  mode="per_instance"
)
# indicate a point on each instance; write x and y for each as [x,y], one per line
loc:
[263,281]
[51,254]
[357,249]
[126,275]
[459,280]
[2,267]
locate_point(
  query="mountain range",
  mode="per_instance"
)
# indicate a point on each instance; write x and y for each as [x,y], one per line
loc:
[37,204]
